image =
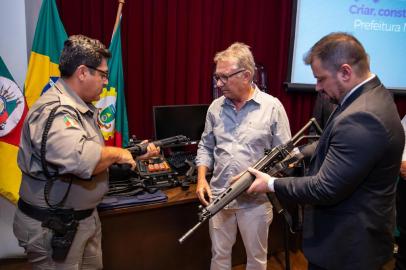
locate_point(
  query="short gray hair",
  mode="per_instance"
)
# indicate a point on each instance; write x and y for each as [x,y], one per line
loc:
[241,54]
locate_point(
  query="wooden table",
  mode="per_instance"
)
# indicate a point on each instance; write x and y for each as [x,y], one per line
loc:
[146,237]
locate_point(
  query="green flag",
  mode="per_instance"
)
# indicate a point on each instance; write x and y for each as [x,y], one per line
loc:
[112,117]
[4,71]
[46,50]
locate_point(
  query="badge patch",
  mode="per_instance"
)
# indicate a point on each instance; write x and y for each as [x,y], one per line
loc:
[11,105]
[69,121]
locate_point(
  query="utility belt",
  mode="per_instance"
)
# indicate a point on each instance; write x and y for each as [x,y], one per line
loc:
[62,222]
[41,213]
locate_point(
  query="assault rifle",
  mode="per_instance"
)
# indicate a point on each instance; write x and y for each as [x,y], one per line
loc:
[141,148]
[274,162]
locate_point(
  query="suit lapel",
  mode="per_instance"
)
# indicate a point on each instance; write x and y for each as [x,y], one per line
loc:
[370,85]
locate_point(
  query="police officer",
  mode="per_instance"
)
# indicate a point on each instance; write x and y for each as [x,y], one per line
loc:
[64,164]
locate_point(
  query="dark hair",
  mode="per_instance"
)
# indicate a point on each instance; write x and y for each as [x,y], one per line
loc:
[337,49]
[81,50]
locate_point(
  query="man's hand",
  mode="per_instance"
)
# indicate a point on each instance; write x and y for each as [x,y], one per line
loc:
[152,151]
[403,170]
[111,155]
[203,191]
[125,157]
[263,182]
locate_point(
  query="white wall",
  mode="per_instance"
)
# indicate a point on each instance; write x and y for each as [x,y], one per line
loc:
[18,19]
[13,46]
[32,8]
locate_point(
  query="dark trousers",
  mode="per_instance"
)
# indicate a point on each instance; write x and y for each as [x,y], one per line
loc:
[401,224]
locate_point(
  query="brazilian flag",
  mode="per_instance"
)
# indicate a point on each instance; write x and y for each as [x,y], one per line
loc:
[46,50]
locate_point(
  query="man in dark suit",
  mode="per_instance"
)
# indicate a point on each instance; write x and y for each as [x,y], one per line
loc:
[350,188]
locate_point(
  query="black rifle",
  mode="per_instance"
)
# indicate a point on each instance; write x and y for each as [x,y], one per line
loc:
[141,148]
[274,162]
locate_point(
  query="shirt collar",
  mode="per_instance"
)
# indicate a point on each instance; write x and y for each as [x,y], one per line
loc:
[355,88]
[71,98]
[254,98]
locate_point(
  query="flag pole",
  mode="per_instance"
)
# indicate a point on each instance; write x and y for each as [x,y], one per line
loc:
[119,10]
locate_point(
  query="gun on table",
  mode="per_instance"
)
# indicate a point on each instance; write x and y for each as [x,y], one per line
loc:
[141,148]
[275,161]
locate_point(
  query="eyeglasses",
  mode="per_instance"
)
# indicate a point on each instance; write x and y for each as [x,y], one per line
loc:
[224,78]
[103,74]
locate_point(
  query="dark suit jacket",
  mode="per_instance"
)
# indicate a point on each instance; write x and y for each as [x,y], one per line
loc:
[323,109]
[350,190]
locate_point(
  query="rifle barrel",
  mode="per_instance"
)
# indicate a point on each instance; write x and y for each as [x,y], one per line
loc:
[189,233]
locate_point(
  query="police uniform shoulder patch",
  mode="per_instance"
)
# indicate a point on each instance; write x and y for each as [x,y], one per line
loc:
[70,121]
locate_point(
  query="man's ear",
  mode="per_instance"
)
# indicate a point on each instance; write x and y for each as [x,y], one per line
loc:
[345,72]
[81,72]
[247,75]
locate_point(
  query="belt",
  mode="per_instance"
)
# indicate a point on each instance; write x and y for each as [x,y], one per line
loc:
[41,213]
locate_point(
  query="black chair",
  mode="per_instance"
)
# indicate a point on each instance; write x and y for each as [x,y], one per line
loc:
[260,79]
